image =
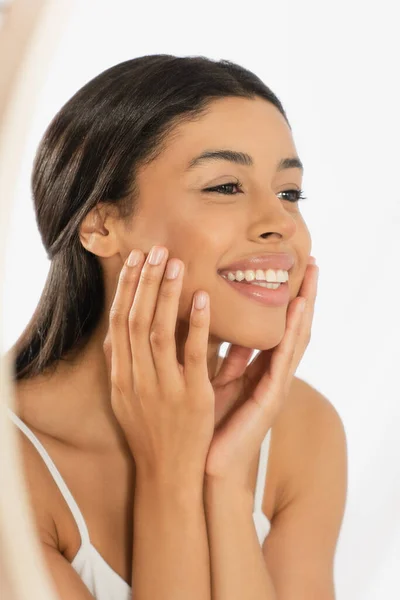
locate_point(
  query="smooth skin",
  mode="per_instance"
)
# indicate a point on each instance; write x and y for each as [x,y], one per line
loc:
[205,230]
[167,409]
[167,413]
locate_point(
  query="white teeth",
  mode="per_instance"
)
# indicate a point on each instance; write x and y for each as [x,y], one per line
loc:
[238,276]
[270,286]
[249,275]
[270,275]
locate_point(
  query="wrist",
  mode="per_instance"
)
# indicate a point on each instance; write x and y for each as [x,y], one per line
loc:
[162,485]
[225,491]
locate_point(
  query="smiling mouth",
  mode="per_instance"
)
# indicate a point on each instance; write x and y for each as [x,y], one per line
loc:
[270,285]
[260,294]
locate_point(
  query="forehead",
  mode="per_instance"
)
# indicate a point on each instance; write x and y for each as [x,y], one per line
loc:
[252,125]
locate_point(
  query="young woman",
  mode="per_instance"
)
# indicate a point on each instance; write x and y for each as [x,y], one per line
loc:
[146,453]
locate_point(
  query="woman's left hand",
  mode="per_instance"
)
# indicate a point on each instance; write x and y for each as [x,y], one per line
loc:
[259,390]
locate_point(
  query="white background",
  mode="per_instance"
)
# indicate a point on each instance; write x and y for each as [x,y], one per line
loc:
[335,67]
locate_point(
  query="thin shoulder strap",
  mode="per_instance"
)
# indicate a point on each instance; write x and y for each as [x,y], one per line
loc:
[262,473]
[80,521]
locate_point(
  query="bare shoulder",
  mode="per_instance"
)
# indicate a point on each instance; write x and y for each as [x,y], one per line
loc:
[311,459]
[45,506]
[47,517]
[41,492]
[307,402]
[308,431]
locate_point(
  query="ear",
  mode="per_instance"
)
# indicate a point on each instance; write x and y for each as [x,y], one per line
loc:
[98,231]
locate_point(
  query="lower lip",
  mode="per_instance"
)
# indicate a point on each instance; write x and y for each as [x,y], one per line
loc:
[264,296]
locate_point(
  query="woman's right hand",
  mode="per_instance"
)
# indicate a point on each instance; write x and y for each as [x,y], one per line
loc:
[165,409]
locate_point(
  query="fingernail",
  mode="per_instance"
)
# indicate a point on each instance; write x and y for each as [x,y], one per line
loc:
[312,260]
[200,300]
[173,268]
[133,258]
[156,255]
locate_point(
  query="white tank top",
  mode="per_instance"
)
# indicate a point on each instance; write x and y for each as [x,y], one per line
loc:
[101,580]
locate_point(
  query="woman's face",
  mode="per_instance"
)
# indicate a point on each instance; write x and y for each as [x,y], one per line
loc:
[210,230]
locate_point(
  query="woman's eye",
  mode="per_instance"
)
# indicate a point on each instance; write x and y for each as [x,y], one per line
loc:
[222,189]
[298,195]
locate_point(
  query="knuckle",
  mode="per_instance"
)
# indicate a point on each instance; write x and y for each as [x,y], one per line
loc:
[126,276]
[160,337]
[167,291]
[197,321]
[149,277]
[117,318]
[136,325]
[194,356]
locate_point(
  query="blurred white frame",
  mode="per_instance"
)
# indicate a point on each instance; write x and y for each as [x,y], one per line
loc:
[28,31]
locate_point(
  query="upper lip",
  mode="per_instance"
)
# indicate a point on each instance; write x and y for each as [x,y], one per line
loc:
[270,260]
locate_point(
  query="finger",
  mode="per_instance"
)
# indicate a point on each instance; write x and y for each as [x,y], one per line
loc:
[283,363]
[118,333]
[196,346]
[308,290]
[107,350]
[233,365]
[274,381]
[162,335]
[141,317]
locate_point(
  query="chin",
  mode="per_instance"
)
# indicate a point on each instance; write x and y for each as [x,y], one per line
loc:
[260,340]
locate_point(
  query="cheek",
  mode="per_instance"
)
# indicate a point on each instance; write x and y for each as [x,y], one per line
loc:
[200,274]
[201,246]
[303,235]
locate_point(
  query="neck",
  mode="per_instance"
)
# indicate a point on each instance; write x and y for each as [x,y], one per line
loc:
[82,384]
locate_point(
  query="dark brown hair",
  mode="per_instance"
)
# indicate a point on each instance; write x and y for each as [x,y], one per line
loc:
[91,152]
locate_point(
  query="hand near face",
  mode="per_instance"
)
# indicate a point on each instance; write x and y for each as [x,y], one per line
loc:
[256,393]
[166,409]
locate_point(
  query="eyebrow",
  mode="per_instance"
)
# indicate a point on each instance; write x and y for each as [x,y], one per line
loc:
[241,158]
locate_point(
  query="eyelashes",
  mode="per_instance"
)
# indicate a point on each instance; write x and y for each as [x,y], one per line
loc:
[221,189]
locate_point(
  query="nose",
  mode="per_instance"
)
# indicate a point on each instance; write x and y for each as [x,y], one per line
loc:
[272,217]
